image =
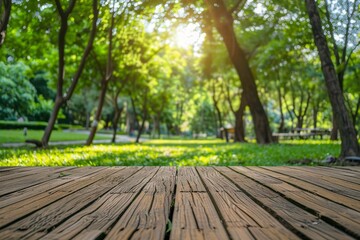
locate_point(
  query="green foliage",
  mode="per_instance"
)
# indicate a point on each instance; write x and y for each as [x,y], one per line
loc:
[16,91]
[204,119]
[40,110]
[174,153]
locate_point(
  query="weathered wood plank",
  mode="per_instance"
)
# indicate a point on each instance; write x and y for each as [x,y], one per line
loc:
[188,180]
[71,174]
[332,184]
[327,210]
[19,172]
[349,168]
[32,204]
[148,215]
[37,224]
[240,214]
[21,180]
[195,216]
[317,190]
[97,219]
[305,224]
[340,174]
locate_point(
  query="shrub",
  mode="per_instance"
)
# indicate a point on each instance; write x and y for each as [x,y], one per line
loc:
[21,125]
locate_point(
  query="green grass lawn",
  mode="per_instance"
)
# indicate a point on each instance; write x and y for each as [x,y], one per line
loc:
[174,153]
[17,136]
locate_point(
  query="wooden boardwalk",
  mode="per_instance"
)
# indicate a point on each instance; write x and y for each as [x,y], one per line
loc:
[188,203]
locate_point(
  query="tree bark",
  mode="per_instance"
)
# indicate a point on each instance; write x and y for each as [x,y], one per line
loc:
[282,118]
[60,98]
[224,24]
[97,117]
[4,20]
[239,121]
[349,142]
[141,127]
[116,119]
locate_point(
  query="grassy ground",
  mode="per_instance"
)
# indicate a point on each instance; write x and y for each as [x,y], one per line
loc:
[175,153]
[17,136]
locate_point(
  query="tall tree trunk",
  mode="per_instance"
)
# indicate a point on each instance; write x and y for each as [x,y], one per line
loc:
[349,142]
[282,118]
[105,81]
[60,98]
[4,20]
[97,117]
[141,127]
[52,120]
[224,24]
[239,121]
[335,128]
[116,119]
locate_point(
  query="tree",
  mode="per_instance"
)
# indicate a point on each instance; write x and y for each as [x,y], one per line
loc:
[4,19]
[62,97]
[224,24]
[349,142]
[17,94]
[342,38]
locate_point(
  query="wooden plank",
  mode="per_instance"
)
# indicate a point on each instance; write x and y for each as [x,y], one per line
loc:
[10,170]
[240,214]
[148,215]
[337,197]
[42,221]
[96,220]
[352,177]
[21,209]
[327,210]
[195,216]
[329,183]
[349,168]
[37,176]
[18,172]
[69,175]
[188,180]
[303,223]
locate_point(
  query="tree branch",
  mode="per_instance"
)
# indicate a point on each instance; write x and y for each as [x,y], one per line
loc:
[5,20]
[86,52]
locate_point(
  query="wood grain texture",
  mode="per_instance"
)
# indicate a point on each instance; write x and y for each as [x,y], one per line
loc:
[148,215]
[195,216]
[302,222]
[32,191]
[315,189]
[350,190]
[32,204]
[352,177]
[103,213]
[188,203]
[240,214]
[346,218]
[37,224]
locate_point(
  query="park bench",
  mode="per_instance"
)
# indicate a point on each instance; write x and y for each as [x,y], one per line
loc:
[303,133]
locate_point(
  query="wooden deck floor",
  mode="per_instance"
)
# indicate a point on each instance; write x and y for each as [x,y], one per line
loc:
[188,203]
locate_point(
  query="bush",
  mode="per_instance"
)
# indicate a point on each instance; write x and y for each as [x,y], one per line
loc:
[21,125]
[69,126]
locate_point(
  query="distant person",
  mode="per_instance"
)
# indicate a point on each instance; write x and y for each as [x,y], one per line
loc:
[25,131]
